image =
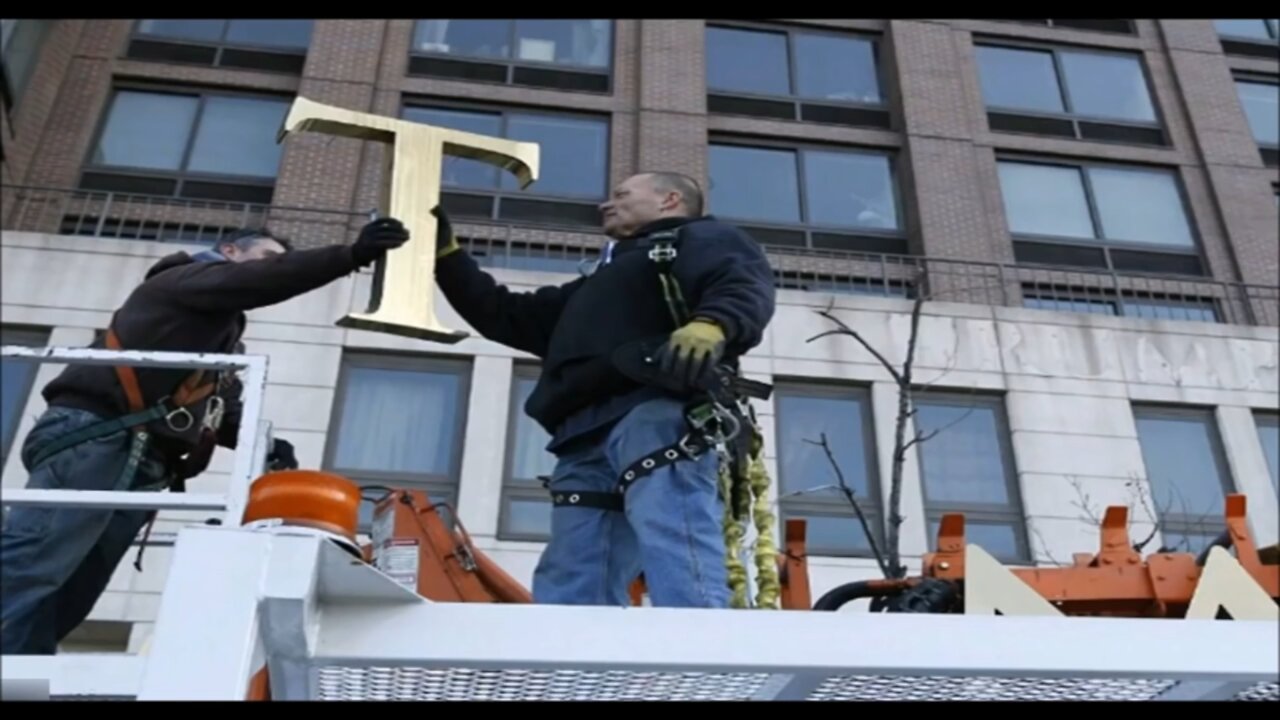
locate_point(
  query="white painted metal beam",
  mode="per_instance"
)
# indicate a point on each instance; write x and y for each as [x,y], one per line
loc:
[691,640]
[252,441]
[87,675]
[115,499]
[207,630]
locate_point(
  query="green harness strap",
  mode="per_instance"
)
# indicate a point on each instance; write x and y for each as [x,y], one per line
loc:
[744,496]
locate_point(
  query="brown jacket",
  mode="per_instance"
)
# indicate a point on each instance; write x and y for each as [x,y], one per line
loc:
[185,305]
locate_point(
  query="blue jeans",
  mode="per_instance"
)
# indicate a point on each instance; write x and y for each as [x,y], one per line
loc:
[672,529]
[56,561]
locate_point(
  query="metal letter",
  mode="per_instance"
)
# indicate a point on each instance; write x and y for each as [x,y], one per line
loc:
[403,298]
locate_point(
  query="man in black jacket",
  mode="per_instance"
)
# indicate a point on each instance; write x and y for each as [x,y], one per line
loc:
[603,420]
[146,429]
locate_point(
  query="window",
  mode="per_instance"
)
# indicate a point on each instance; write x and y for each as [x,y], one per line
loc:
[1269,435]
[1124,27]
[16,378]
[1255,38]
[1186,469]
[808,197]
[526,507]
[188,143]
[557,54]
[1108,216]
[398,422]
[1088,95]
[787,74]
[573,179]
[1264,30]
[20,43]
[272,45]
[1260,100]
[966,466]
[1098,301]
[804,413]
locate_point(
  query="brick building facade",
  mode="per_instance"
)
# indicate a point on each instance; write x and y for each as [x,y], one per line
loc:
[1036,176]
[931,121]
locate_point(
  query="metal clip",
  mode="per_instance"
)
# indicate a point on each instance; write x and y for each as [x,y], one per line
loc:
[214,411]
[183,414]
[662,253]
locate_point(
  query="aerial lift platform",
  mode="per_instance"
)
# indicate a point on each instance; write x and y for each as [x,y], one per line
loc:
[283,601]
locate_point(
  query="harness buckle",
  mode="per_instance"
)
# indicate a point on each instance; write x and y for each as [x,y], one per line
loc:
[183,415]
[662,253]
[700,419]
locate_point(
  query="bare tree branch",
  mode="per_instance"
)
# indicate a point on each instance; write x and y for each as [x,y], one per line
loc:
[1141,497]
[1044,545]
[891,565]
[905,406]
[849,495]
[850,332]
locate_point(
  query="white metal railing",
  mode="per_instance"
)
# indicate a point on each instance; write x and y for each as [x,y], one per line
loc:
[117,675]
[239,600]
[252,442]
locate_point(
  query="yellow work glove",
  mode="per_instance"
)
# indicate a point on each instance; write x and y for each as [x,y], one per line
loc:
[692,352]
[445,241]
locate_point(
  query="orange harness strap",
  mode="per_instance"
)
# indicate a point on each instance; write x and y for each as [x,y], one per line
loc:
[188,393]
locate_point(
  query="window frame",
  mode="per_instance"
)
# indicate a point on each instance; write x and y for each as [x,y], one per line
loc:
[1056,51]
[807,506]
[514,488]
[1250,47]
[1132,30]
[182,176]
[1270,152]
[900,236]
[12,88]
[512,64]
[297,54]
[876,40]
[1208,525]
[1272,26]
[26,336]
[437,487]
[136,33]
[1120,302]
[498,194]
[1196,251]
[1013,514]
[1267,418]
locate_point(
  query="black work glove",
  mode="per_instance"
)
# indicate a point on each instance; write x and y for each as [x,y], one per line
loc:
[445,241]
[281,456]
[376,238]
[692,352]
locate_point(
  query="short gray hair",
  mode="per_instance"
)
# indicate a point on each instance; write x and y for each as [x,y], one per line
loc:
[687,187]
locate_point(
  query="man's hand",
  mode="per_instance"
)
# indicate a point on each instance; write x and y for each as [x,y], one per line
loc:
[692,352]
[377,237]
[445,241]
[281,456]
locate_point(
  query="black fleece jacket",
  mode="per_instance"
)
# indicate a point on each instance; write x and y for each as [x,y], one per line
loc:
[574,328]
[189,306]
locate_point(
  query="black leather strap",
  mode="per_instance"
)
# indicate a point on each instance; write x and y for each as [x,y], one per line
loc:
[583,498]
[689,448]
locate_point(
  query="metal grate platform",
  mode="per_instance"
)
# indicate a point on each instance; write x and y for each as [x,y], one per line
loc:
[328,627]
[407,683]
[335,683]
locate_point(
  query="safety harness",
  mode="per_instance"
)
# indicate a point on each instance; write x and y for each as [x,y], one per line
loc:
[174,409]
[719,418]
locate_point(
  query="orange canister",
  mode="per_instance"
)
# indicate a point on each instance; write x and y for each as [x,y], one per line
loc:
[306,498]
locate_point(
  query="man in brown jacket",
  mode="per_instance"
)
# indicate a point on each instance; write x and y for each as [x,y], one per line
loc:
[146,429]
